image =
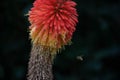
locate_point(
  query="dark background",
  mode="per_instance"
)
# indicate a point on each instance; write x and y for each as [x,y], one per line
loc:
[97,40]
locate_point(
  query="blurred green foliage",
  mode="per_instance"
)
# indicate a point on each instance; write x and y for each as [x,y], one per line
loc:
[96,40]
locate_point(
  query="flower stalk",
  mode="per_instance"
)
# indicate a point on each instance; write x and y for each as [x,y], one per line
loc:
[40,64]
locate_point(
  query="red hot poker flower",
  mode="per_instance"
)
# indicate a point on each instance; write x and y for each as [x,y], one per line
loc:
[52,22]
